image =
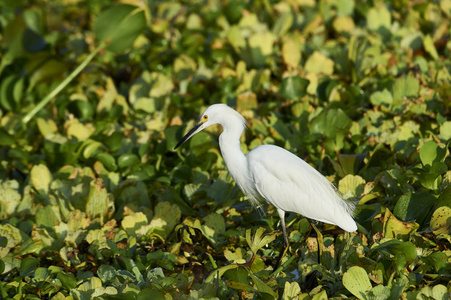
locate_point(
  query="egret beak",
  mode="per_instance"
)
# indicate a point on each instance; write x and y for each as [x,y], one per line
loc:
[187,136]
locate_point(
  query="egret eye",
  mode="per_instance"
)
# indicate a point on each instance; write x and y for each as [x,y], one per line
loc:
[205,118]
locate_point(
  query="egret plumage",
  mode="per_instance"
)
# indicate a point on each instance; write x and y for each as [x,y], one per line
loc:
[275,174]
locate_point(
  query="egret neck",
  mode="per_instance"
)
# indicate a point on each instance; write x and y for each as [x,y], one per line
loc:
[234,158]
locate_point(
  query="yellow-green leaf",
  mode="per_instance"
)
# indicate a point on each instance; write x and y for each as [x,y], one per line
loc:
[40,178]
[318,63]
[97,203]
[441,220]
[394,228]
[291,52]
[357,282]
[351,186]
[291,291]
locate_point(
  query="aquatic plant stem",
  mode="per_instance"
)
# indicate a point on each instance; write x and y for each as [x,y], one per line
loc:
[62,85]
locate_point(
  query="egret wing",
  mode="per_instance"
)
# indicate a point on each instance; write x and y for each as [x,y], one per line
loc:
[290,184]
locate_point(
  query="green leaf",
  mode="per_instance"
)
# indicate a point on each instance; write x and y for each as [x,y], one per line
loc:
[9,201]
[414,207]
[445,130]
[48,128]
[445,197]
[45,68]
[344,7]
[166,216]
[233,10]
[119,26]
[239,286]
[431,152]
[379,292]
[114,141]
[106,273]
[432,179]
[163,259]
[82,109]
[104,292]
[89,287]
[261,47]
[41,274]
[350,163]
[240,274]
[439,292]
[441,220]
[27,266]
[13,236]
[5,138]
[107,160]
[48,217]
[33,20]
[127,160]
[366,212]
[344,23]
[134,222]
[2,266]
[184,67]
[378,18]
[381,98]
[429,47]
[160,85]
[357,282]
[216,222]
[3,241]
[11,92]
[259,240]
[91,147]
[239,256]
[172,136]
[236,39]
[320,296]
[437,260]
[262,287]
[283,24]
[405,87]
[150,294]
[78,130]
[330,122]
[399,285]
[294,87]
[214,275]
[394,247]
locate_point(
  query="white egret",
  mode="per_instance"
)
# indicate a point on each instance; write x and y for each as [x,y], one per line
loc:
[280,177]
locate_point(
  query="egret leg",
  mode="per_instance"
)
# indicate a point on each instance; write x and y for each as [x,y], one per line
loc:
[285,237]
[284,229]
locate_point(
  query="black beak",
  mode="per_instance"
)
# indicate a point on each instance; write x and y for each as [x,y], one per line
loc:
[188,135]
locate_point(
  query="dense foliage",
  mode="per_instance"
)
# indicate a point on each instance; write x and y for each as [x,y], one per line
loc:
[95,94]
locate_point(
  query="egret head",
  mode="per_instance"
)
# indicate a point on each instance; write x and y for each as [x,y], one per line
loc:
[215,114]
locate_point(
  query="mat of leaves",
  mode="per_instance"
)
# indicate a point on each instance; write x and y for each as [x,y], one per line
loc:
[94,203]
